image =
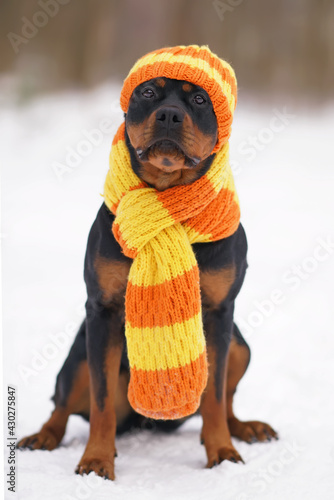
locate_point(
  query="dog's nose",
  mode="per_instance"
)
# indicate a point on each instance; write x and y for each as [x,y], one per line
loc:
[170,116]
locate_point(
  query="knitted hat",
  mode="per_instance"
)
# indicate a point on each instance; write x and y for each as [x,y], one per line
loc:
[197,65]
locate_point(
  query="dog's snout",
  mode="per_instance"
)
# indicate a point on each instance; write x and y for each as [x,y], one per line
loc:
[170,116]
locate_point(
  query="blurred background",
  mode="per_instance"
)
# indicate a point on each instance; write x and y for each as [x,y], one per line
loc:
[283,47]
[62,63]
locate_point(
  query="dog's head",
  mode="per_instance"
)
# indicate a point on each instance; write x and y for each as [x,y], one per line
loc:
[171,127]
[178,105]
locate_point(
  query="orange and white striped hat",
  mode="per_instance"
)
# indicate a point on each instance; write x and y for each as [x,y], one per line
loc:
[194,64]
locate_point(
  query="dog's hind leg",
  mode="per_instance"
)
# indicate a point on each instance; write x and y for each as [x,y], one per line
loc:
[71,396]
[239,357]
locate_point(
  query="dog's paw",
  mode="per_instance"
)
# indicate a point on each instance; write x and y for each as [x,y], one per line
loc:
[224,453]
[42,440]
[103,468]
[251,431]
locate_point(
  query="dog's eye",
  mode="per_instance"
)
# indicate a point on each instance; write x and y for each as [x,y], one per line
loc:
[148,93]
[199,99]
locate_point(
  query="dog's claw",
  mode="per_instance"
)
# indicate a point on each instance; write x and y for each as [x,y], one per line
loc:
[45,439]
[102,468]
[252,431]
[221,454]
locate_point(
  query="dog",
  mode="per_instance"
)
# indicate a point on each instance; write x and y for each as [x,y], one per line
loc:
[171,130]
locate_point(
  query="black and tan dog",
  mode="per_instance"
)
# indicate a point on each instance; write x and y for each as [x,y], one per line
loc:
[171,130]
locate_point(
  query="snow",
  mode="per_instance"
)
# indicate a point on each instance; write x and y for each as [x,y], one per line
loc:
[285,309]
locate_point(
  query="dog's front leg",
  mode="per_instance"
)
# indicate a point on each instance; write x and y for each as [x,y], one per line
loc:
[218,323]
[104,348]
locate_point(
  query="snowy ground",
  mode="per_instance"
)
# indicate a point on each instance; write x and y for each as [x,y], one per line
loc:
[285,309]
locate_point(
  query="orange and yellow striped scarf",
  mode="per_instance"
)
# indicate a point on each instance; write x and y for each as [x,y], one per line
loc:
[164,329]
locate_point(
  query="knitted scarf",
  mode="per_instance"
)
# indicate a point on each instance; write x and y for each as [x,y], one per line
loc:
[163,321]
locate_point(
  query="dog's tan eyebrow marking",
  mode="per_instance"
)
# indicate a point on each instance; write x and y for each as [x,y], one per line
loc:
[160,82]
[187,87]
